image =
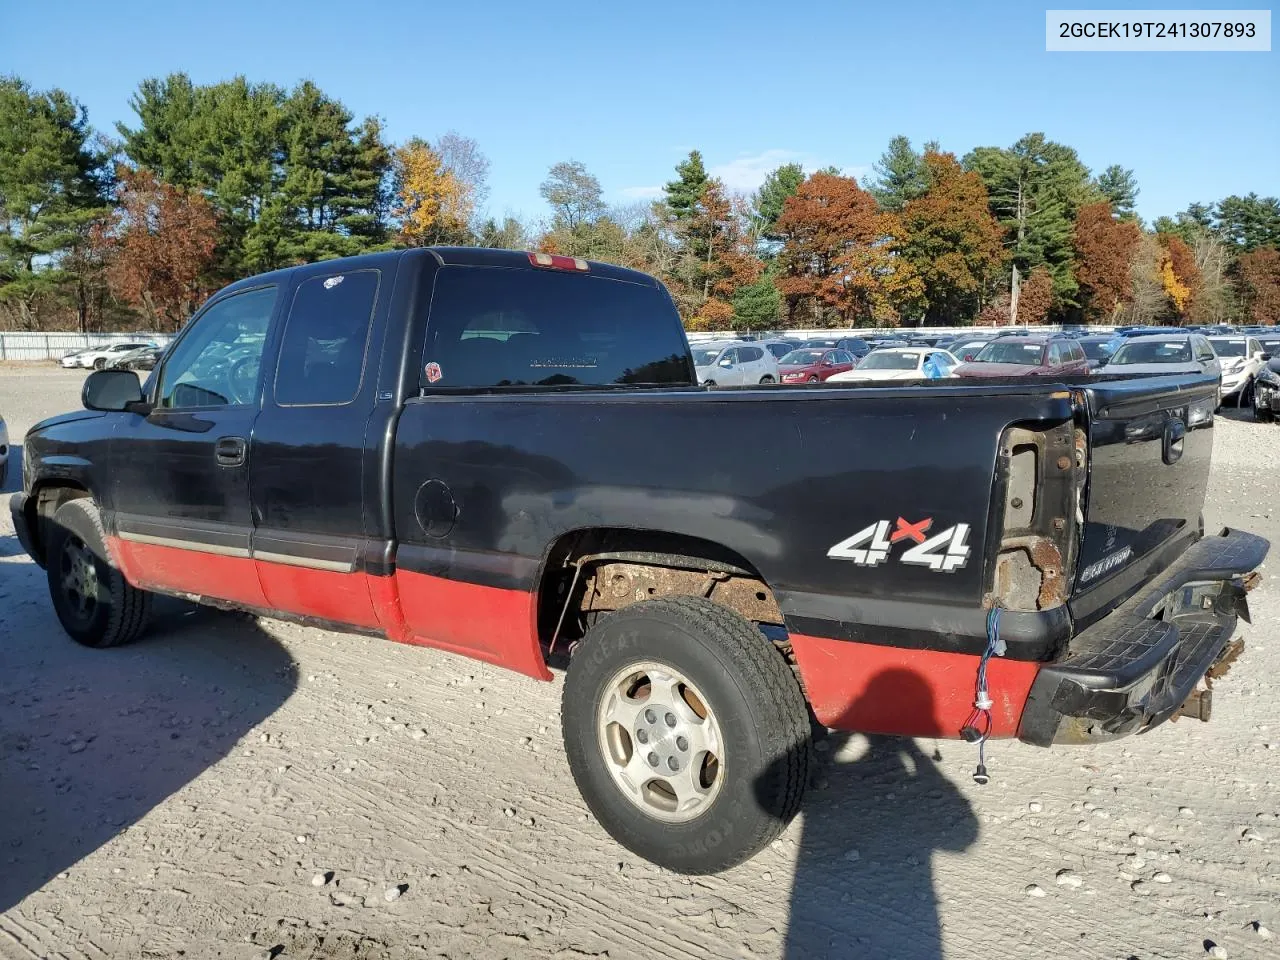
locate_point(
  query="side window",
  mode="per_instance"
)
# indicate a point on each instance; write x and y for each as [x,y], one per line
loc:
[1254,347]
[1077,353]
[1055,354]
[731,356]
[750,354]
[322,354]
[842,357]
[217,361]
[1203,349]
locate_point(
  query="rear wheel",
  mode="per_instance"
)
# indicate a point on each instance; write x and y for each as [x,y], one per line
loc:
[766,379]
[686,733]
[95,604]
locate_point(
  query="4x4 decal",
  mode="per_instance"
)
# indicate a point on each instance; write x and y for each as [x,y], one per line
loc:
[944,552]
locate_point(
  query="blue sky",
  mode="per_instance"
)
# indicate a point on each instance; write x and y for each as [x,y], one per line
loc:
[630,88]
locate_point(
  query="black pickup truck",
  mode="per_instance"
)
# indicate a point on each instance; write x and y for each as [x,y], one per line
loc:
[505,455]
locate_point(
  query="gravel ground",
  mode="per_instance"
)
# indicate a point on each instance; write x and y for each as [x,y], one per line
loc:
[237,788]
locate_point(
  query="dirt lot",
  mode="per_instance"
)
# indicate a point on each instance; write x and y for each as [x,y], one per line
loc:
[230,788]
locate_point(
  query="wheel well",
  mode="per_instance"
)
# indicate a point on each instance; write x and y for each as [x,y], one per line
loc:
[44,503]
[591,573]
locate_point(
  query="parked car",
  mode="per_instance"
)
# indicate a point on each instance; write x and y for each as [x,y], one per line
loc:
[99,358]
[1097,348]
[734,364]
[1049,355]
[901,363]
[1240,358]
[144,358]
[780,347]
[1265,398]
[507,456]
[1167,354]
[857,346]
[810,366]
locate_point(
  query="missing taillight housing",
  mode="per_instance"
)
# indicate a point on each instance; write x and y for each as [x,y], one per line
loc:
[554,261]
[1039,481]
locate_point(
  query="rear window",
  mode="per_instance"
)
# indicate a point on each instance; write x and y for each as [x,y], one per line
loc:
[749,354]
[501,327]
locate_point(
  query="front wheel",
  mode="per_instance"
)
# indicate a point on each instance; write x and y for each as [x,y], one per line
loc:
[100,363]
[812,379]
[686,733]
[91,597]
[1261,416]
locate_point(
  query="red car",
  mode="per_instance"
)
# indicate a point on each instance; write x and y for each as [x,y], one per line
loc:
[812,364]
[1044,355]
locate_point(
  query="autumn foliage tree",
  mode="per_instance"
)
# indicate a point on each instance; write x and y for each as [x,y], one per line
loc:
[841,255]
[432,205]
[158,247]
[951,240]
[1178,273]
[1105,248]
[1035,297]
[1259,272]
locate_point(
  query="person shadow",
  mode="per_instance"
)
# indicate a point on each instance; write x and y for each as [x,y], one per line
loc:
[863,881]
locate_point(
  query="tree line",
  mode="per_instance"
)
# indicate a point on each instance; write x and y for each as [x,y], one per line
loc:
[210,183]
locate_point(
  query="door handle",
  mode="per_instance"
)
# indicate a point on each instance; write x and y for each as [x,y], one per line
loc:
[230,451]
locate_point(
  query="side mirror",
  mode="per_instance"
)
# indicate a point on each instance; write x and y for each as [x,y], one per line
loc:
[968,358]
[114,391]
[726,362]
[1264,357]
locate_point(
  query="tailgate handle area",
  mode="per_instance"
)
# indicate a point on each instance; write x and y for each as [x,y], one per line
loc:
[1175,432]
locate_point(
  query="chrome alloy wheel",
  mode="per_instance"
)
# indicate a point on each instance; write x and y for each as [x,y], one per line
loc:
[661,742]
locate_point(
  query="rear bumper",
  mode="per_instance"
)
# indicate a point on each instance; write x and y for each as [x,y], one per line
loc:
[1133,669]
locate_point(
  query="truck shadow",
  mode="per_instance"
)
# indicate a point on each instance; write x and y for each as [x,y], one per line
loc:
[92,740]
[864,879]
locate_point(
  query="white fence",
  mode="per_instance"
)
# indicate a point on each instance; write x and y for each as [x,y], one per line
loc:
[54,346]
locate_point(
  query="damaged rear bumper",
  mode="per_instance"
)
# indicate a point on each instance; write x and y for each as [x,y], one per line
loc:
[1141,663]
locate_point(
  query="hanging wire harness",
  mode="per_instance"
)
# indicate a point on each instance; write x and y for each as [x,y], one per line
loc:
[978,727]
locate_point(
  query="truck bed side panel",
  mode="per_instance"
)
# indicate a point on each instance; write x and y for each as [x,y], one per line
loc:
[484,485]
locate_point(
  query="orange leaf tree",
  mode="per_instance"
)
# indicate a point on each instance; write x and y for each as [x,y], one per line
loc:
[1178,272]
[1259,272]
[951,240]
[1105,248]
[158,246]
[841,254]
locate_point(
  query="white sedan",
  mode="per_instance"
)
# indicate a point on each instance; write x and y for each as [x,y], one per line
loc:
[1241,359]
[901,363]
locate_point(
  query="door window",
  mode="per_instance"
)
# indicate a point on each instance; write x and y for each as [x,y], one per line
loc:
[1203,350]
[217,361]
[750,354]
[326,336]
[1055,354]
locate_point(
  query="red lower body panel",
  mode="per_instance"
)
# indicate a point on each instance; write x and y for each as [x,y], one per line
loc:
[326,594]
[488,623]
[175,570]
[869,688]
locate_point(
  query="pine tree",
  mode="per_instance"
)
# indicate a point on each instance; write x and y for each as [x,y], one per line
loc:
[901,175]
[682,194]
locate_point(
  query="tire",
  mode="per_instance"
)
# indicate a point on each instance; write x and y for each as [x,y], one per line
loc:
[745,755]
[766,379]
[708,383]
[100,363]
[812,379]
[95,604]
[1260,416]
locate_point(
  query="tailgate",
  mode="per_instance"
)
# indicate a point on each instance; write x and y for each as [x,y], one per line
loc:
[1150,444]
